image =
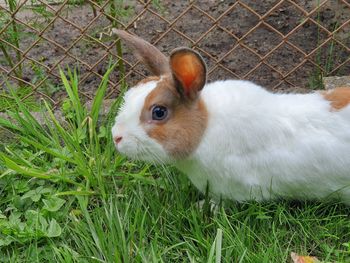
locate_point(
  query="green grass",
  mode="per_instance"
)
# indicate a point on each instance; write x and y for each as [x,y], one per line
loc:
[325,57]
[7,101]
[67,196]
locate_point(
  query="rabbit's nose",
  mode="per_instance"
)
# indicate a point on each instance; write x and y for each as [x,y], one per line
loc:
[117,139]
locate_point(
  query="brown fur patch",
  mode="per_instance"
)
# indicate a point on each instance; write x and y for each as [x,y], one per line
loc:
[339,98]
[181,132]
[148,79]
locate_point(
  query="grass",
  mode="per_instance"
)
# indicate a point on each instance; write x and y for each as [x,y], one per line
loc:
[325,58]
[7,101]
[12,35]
[323,61]
[67,196]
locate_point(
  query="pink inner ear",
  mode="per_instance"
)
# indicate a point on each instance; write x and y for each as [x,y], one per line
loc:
[187,78]
[186,69]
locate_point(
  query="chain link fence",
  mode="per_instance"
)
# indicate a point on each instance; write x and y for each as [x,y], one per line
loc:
[281,45]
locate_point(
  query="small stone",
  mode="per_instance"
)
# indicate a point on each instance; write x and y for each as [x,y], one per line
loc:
[334,82]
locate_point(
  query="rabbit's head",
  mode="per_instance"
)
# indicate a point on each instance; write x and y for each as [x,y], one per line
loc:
[163,117]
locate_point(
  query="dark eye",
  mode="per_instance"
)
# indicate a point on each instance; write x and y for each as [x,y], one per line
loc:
[159,113]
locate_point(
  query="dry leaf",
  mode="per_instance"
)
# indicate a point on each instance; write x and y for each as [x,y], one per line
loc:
[303,259]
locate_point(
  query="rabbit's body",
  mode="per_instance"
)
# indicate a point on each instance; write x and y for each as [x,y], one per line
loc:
[235,137]
[260,145]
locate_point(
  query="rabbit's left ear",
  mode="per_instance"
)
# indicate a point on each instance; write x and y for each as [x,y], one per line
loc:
[189,71]
[155,60]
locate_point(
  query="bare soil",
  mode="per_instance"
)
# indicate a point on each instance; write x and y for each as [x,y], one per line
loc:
[224,61]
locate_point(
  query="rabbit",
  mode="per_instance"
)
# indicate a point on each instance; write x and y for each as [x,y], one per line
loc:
[238,139]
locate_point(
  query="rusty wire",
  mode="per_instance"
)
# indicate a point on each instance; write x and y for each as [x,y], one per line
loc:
[58,11]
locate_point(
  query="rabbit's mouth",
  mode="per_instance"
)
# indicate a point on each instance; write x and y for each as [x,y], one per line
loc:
[148,150]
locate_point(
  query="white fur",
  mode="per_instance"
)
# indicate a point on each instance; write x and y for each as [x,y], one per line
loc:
[135,142]
[257,145]
[260,145]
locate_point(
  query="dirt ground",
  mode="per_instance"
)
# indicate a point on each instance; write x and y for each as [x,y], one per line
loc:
[217,43]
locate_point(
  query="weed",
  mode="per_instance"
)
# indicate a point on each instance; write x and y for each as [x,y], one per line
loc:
[325,64]
[324,59]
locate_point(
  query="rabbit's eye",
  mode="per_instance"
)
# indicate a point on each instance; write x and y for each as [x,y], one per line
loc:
[159,113]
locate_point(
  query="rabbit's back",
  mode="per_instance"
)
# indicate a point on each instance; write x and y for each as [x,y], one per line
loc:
[260,145]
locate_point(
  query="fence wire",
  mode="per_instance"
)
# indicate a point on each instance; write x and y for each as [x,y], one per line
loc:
[281,44]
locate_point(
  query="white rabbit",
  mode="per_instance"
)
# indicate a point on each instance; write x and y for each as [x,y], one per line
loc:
[234,136]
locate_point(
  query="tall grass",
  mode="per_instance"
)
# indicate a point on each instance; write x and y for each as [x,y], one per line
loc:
[64,140]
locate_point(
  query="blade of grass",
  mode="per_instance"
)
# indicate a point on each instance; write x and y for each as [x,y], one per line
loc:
[72,145]
[34,173]
[31,121]
[72,91]
[9,124]
[97,102]
[75,193]
[20,160]
[47,150]
[216,248]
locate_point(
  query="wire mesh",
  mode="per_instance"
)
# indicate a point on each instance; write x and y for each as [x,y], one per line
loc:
[281,44]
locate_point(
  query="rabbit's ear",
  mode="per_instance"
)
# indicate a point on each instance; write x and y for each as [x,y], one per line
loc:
[155,60]
[189,72]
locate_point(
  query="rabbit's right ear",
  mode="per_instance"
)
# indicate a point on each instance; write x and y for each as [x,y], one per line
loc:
[189,71]
[155,60]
